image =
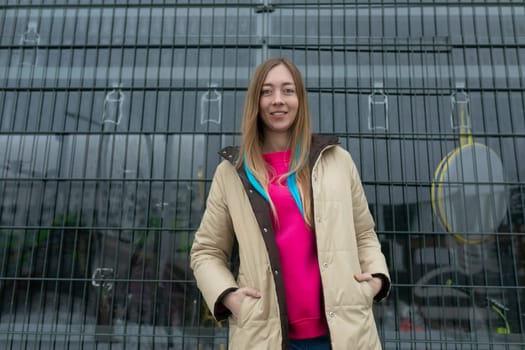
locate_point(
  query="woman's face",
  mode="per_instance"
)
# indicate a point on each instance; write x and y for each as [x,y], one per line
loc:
[278,103]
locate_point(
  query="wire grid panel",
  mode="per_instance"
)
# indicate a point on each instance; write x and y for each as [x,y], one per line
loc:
[111,116]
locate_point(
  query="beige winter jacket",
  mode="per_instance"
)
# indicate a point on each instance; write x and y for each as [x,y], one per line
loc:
[346,244]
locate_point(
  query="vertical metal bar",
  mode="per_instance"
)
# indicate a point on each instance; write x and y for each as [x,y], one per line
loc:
[29,186]
[12,321]
[444,131]
[63,230]
[519,292]
[441,94]
[89,297]
[463,18]
[162,230]
[411,96]
[178,138]
[105,307]
[142,15]
[69,185]
[440,84]
[167,275]
[514,244]
[485,247]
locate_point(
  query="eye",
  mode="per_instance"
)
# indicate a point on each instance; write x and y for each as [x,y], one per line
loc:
[266,92]
[289,91]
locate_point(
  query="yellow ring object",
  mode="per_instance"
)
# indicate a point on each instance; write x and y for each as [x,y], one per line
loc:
[471,176]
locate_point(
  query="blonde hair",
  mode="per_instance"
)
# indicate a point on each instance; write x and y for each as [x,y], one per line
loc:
[300,138]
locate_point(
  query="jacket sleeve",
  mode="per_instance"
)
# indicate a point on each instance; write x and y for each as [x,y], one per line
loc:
[371,258]
[212,247]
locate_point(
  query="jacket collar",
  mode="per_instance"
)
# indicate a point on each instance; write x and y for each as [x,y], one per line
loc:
[319,143]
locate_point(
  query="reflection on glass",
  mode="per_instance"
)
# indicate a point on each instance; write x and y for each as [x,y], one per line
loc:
[378,108]
[29,42]
[211,102]
[460,113]
[113,105]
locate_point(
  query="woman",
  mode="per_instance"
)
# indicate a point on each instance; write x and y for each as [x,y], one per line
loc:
[310,263]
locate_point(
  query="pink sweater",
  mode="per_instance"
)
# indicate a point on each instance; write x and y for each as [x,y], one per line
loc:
[298,254]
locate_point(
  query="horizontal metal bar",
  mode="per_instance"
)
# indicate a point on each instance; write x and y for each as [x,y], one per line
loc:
[98,228]
[130,5]
[390,135]
[281,4]
[332,43]
[390,183]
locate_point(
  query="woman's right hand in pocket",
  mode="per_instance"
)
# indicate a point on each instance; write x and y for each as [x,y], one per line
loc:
[233,300]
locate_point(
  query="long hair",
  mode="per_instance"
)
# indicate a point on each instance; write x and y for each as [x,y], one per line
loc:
[300,135]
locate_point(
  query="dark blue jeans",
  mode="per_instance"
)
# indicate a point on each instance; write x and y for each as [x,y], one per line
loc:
[319,343]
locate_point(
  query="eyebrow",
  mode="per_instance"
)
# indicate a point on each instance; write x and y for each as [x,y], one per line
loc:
[270,84]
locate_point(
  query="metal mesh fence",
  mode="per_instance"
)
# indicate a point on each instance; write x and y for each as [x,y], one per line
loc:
[111,113]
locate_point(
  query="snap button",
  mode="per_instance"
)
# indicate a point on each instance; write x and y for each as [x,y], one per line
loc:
[325,265]
[265,229]
[331,314]
[276,272]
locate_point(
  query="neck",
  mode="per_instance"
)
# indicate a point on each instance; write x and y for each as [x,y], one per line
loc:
[274,142]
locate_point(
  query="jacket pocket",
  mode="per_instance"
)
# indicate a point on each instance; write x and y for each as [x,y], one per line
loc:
[367,291]
[248,307]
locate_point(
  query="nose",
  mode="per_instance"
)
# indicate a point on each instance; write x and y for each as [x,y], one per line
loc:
[277,100]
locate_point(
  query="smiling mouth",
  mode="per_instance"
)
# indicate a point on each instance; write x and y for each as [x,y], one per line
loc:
[278,113]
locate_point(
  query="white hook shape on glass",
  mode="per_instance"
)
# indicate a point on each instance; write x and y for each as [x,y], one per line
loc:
[211,105]
[113,103]
[460,109]
[378,108]
[29,42]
